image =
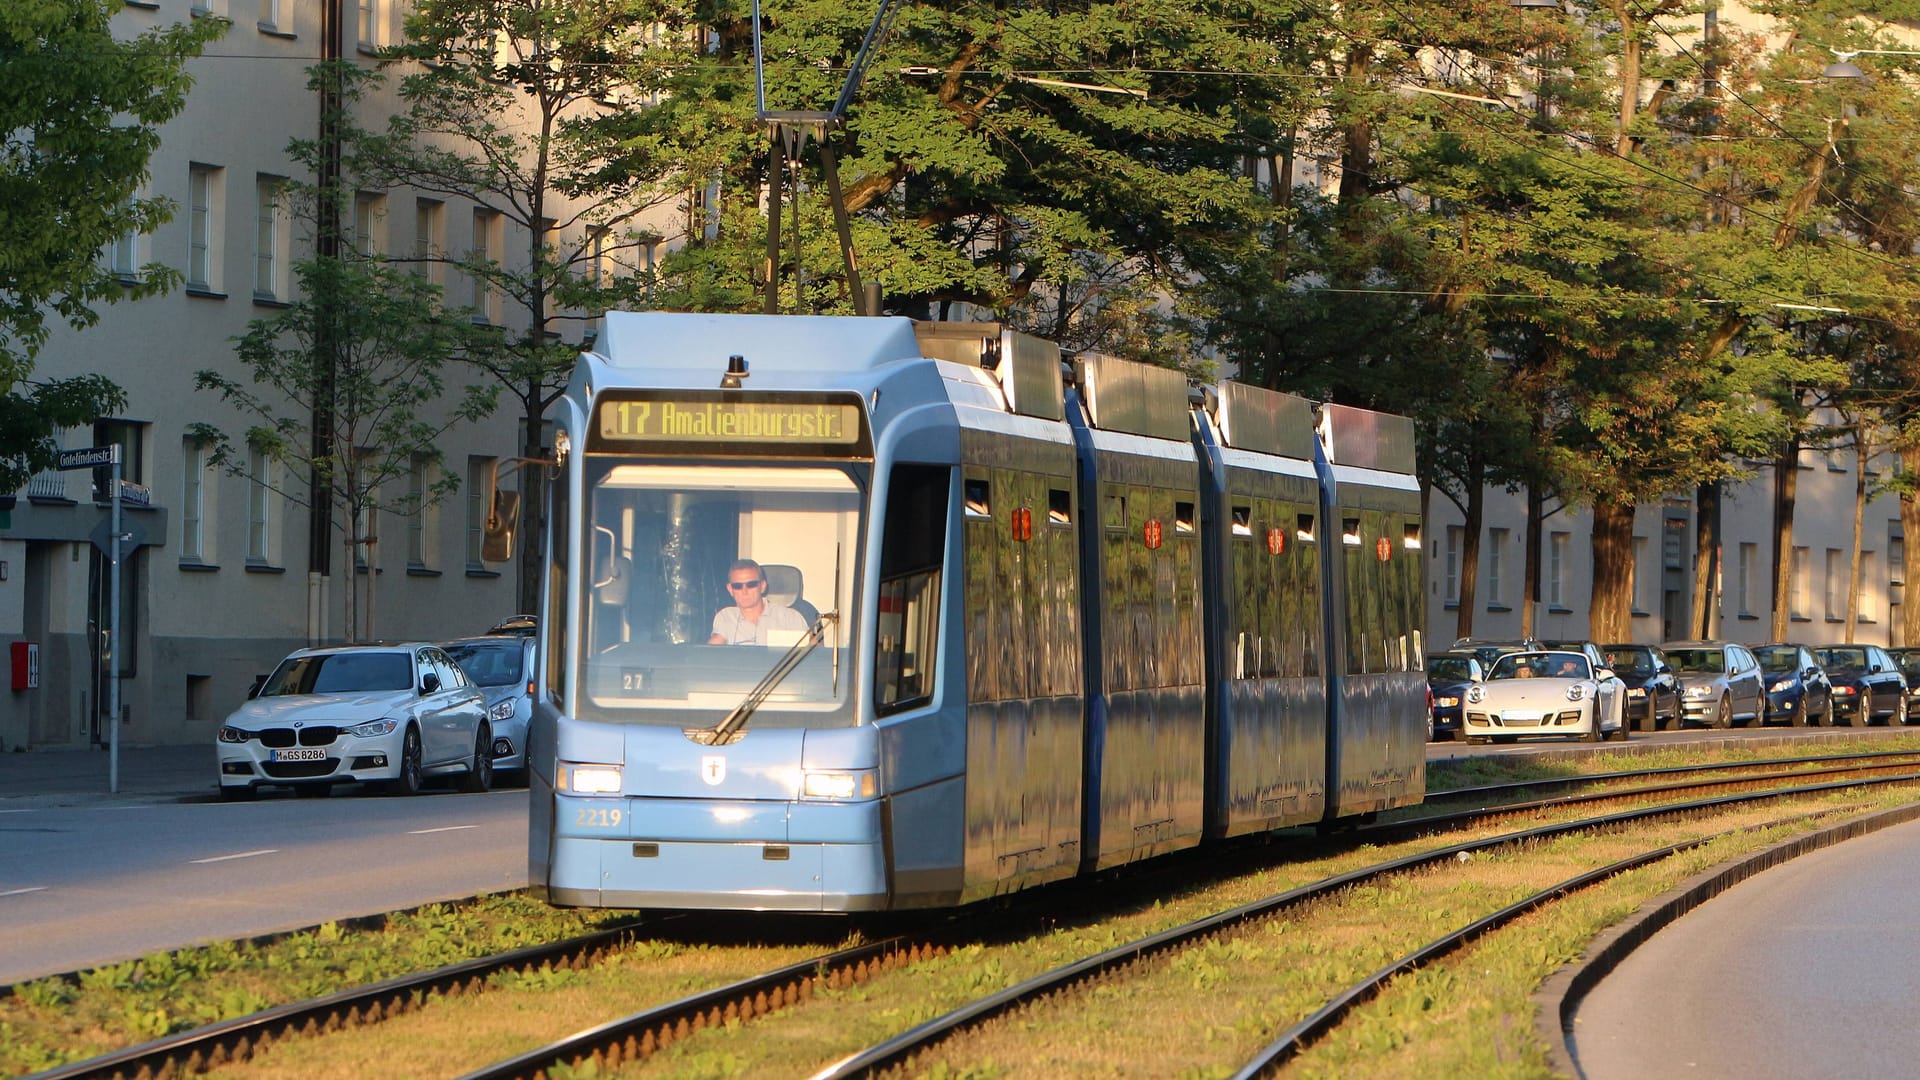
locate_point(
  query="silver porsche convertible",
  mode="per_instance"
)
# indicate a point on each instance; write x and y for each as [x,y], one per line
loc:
[1543,692]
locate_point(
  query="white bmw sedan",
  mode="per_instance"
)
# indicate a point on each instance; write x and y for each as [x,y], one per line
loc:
[392,714]
[1545,692]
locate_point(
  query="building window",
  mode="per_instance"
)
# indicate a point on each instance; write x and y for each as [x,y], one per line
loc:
[1456,538]
[270,14]
[270,232]
[1557,569]
[1834,588]
[1637,588]
[1802,571]
[418,495]
[203,227]
[1749,558]
[130,437]
[193,503]
[366,523]
[370,16]
[369,216]
[259,507]
[1496,560]
[479,479]
[429,238]
[1869,589]
[486,248]
[123,254]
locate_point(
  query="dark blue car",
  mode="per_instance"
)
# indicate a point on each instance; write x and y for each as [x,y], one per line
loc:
[1653,691]
[1448,676]
[1798,691]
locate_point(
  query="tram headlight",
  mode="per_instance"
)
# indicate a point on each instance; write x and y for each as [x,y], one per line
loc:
[856,784]
[578,779]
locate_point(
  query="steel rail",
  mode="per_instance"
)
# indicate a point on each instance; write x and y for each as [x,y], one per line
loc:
[1671,770]
[237,1039]
[899,1050]
[641,1034]
[1428,823]
[1295,1039]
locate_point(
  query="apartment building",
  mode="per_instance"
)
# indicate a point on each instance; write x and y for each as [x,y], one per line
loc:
[217,587]
[1664,538]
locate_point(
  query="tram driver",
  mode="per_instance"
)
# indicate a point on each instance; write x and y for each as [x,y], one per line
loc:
[751,619]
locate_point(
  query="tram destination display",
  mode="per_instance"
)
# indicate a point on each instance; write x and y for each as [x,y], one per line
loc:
[706,425]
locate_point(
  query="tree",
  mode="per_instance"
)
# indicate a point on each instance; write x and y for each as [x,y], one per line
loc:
[392,339]
[503,103]
[79,116]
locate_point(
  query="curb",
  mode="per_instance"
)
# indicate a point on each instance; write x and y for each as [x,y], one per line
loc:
[1559,997]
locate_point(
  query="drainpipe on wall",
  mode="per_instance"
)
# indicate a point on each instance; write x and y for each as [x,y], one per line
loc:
[327,246]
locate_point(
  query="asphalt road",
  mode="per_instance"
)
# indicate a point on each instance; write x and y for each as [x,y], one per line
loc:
[1810,969]
[93,883]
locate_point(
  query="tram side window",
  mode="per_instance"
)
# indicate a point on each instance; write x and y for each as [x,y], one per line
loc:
[912,549]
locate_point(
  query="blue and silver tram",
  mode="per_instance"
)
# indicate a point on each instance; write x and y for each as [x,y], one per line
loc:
[1011,626]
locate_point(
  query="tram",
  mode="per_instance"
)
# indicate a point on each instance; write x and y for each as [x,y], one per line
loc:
[1004,620]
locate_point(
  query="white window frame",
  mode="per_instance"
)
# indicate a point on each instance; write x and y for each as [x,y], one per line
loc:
[1450,587]
[193,503]
[1496,562]
[259,508]
[429,238]
[203,227]
[486,299]
[1557,568]
[272,229]
[270,15]
[1749,557]
[479,476]
[1869,589]
[369,16]
[419,533]
[369,219]
[1834,588]
[1802,569]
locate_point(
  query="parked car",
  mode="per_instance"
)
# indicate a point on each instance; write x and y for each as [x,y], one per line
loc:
[1798,690]
[504,669]
[390,714]
[1602,671]
[1720,682]
[1487,651]
[1542,692]
[1908,661]
[517,626]
[1867,685]
[1653,691]
[1448,676]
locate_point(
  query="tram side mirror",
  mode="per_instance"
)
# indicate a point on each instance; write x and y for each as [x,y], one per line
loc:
[496,541]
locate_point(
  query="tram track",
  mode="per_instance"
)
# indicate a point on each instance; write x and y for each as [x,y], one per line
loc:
[897,1056]
[645,1032]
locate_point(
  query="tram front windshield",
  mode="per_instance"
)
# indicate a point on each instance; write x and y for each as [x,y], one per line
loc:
[703,579]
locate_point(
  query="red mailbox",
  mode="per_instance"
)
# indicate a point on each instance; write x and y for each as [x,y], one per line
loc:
[26,665]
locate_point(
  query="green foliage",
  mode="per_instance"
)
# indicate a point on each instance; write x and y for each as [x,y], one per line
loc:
[79,121]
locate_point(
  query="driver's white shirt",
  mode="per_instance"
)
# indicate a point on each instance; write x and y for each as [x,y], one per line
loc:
[730,627]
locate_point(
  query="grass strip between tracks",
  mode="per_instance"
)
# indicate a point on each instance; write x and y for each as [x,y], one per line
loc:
[1195,1015]
[52,1021]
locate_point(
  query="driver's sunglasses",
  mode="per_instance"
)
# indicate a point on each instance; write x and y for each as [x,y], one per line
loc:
[746,584]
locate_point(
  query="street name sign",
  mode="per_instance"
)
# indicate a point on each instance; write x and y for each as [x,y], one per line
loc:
[92,457]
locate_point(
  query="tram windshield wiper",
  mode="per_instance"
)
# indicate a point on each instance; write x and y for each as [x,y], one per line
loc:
[729,729]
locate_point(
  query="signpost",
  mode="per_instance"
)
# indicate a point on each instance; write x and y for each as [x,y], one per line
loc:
[93,457]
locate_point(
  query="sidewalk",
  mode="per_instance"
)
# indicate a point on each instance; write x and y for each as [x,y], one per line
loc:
[71,777]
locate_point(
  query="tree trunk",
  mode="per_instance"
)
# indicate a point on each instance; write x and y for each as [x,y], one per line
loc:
[1706,558]
[1530,566]
[353,583]
[1611,607]
[531,529]
[1786,481]
[373,583]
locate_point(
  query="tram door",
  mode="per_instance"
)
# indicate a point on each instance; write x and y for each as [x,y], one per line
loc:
[100,631]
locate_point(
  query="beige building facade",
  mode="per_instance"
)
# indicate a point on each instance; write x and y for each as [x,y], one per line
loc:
[219,588]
